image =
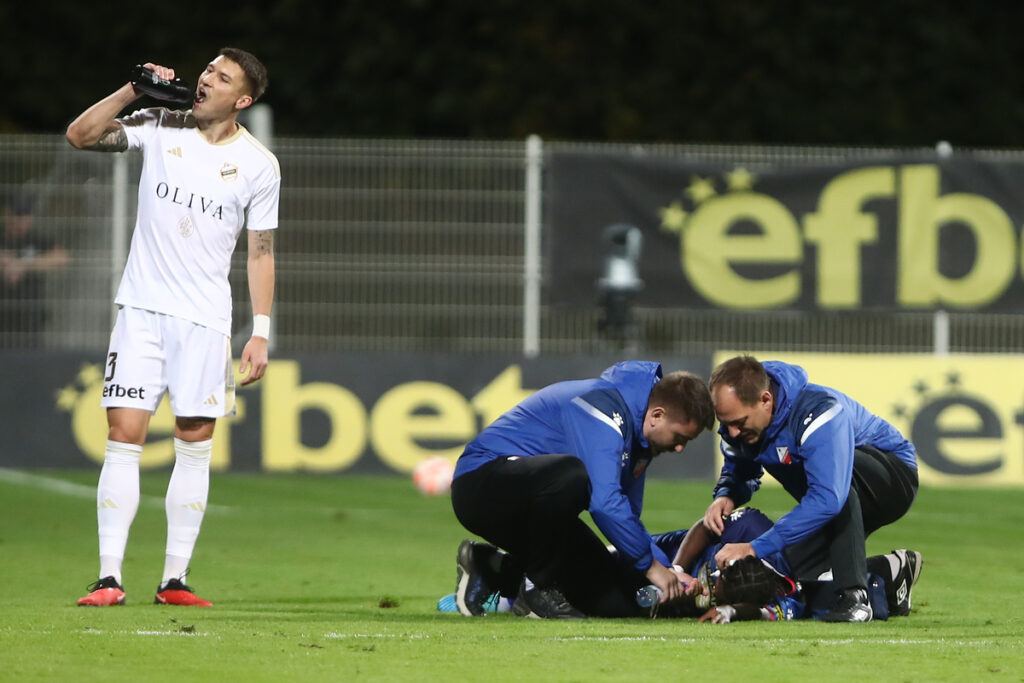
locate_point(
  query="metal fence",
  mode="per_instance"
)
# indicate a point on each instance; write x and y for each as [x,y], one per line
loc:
[411,245]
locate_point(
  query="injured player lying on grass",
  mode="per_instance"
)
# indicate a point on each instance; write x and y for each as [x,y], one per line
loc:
[752,588]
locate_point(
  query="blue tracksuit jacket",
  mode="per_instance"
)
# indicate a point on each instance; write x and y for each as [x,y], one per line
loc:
[808,448]
[600,421]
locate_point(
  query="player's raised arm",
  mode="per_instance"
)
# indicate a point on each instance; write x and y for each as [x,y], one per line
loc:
[95,128]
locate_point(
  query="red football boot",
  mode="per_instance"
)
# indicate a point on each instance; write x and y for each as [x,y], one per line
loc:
[105,592]
[174,592]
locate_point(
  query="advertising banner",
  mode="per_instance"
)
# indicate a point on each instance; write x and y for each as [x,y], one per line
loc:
[887,234]
[330,413]
[964,414]
[384,413]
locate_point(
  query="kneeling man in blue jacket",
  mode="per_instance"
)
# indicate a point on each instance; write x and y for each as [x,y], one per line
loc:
[573,446]
[850,471]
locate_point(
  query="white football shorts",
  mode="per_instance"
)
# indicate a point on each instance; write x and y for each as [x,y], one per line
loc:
[151,353]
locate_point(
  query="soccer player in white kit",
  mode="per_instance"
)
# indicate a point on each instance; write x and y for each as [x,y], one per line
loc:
[204,178]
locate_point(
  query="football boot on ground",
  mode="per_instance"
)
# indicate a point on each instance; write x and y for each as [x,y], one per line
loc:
[852,606]
[472,591]
[495,603]
[105,592]
[174,592]
[906,579]
[544,603]
[447,603]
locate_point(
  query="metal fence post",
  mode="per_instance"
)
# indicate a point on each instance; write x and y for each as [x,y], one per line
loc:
[940,333]
[531,250]
[119,227]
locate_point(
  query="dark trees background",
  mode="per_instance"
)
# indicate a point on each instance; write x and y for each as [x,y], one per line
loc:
[902,72]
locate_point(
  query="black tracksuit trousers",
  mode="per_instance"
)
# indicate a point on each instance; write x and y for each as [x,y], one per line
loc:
[530,507]
[882,490]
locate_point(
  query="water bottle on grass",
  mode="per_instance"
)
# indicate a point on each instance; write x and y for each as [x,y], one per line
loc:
[648,596]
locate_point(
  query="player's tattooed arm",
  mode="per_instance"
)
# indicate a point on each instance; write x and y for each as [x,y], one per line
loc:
[264,242]
[113,139]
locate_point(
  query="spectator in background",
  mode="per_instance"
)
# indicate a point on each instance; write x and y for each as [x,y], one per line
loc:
[25,258]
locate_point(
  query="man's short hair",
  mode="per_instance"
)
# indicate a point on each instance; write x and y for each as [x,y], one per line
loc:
[745,375]
[255,72]
[748,580]
[685,392]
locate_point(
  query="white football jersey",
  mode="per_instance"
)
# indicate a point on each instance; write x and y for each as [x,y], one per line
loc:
[194,199]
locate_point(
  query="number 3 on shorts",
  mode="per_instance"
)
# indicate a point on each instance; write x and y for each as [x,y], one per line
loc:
[112,364]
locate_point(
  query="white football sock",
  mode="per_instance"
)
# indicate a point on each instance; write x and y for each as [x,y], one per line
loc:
[117,501]
[894,565]
[175,567]
[186,503]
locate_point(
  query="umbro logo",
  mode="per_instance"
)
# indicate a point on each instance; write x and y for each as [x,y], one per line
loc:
[212,401]
[175,151]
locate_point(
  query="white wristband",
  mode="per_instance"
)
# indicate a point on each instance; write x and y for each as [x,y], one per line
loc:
[725,614]
[261,326]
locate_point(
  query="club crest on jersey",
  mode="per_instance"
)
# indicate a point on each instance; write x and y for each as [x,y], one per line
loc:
[783,453]
[185,226]
[229,172]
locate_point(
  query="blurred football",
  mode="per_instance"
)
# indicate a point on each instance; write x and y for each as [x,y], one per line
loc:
[433,476]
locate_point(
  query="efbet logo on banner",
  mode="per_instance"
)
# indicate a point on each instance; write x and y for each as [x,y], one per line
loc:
[408,423]
[851,234]
[80,398]
[964,414]
[845,223]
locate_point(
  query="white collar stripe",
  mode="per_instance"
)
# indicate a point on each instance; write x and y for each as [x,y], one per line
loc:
[821,421]
[594,412]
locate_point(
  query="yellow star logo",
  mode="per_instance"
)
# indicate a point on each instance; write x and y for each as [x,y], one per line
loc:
[740,179]
[66,398]
[701,189]
[673,217]
[89,374]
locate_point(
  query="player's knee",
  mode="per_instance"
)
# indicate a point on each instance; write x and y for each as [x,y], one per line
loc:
[127,425]
[126,434]
[194,428]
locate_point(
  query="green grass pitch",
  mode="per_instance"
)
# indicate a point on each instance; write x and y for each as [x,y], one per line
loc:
[337,579]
